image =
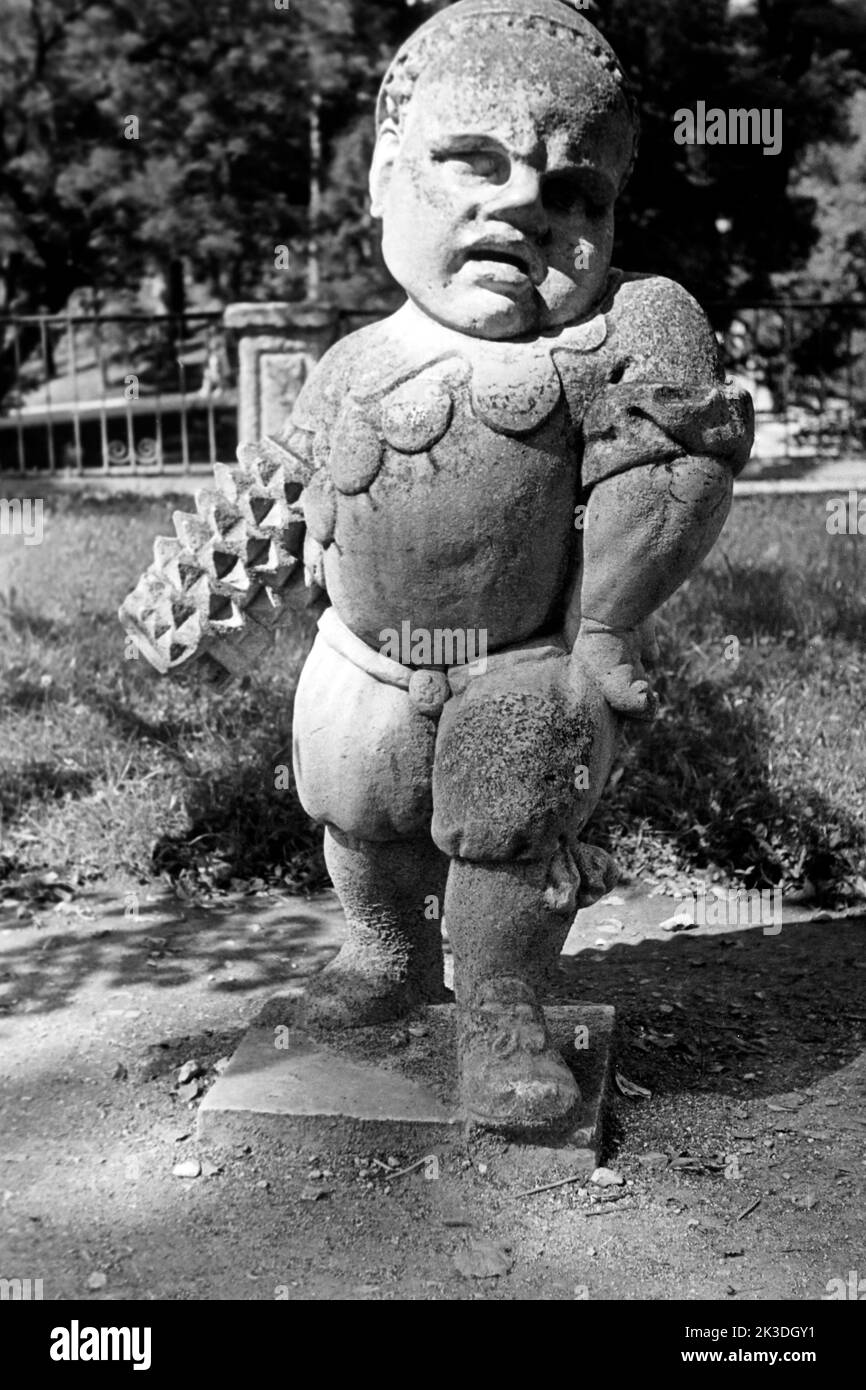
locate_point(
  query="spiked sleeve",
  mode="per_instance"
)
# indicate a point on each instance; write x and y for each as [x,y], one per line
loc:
[215,591]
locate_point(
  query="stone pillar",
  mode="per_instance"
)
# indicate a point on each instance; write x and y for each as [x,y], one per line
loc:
[279,344]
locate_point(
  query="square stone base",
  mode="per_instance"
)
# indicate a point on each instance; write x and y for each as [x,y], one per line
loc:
[391,1087]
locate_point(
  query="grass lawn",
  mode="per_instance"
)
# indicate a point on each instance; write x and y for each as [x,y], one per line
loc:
[754,772]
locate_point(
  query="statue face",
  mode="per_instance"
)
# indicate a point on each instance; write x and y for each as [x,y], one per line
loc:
[497,195]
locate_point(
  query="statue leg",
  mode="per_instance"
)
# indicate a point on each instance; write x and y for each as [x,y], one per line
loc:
[543,737]
[392,957]
[363,764]
[507,923]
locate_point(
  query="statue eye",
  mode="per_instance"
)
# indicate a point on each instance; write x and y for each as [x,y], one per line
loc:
[480,164]
[562,195]
[568,195]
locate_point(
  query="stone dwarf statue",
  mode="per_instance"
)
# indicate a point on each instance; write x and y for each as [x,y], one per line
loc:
[536,448]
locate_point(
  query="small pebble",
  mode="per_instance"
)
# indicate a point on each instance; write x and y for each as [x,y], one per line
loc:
[607,1177]
[190,1168]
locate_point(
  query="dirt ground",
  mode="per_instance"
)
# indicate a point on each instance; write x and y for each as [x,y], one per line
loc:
[744,1170]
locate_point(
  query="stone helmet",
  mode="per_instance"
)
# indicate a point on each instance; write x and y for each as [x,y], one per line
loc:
[541,20]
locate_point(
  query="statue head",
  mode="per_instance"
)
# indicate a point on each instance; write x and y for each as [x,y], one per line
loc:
[506,131]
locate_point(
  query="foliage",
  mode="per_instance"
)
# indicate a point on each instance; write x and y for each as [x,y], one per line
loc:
[789,55]
[219,174]
[833,176]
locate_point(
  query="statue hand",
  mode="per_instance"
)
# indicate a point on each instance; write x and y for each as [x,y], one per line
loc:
[613,660]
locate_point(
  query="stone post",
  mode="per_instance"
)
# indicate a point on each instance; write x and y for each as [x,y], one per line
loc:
[279,344]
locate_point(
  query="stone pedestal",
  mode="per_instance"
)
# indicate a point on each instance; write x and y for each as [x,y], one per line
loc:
[392,1087]
[279,344]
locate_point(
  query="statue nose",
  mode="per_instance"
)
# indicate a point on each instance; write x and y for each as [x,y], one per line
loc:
[519,201]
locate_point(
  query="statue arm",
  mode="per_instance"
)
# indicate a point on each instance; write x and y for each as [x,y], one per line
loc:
[662,444]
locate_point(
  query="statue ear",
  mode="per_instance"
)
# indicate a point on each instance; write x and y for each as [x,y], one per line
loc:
[384,155]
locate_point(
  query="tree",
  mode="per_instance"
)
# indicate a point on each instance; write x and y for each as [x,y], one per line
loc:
[833,178]
[724,218]
[186,136]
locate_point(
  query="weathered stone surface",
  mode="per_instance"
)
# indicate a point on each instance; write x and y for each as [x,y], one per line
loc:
[536,450]
[277,316]
[359,1091]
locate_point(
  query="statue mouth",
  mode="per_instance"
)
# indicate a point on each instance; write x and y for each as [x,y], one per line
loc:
[506,262]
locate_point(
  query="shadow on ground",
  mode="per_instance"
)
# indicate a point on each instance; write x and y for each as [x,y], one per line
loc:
[250,942]
[739,1013]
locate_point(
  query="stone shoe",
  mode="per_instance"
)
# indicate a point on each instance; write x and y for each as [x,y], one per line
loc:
[513,1079]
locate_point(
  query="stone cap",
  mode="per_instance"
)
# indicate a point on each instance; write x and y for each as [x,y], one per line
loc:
[278,314]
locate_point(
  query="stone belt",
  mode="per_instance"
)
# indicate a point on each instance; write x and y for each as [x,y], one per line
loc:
[428,689]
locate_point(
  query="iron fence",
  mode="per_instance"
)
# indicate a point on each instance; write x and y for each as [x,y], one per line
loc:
[804,362]
[156,394]
[121,394]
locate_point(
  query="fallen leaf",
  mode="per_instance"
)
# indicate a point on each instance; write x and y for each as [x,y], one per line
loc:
[190,1091]
[188,1071]
[631,1088]
[681,921]
[483,1259]
[792,1101]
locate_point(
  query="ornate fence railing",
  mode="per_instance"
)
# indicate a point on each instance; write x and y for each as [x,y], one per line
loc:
[115,393]
[804,362]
